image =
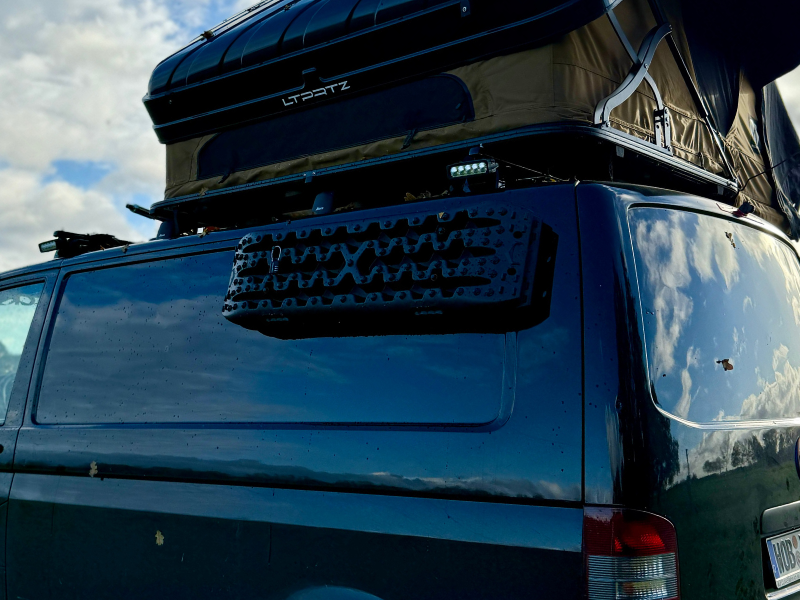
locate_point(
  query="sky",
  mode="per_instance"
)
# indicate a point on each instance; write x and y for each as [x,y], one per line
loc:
[76,143]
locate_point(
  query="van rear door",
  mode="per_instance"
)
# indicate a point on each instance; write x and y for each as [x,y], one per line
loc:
[168,452]
[719,304]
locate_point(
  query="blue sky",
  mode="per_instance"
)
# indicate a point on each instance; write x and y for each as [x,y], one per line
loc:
[76,143]
[82,174]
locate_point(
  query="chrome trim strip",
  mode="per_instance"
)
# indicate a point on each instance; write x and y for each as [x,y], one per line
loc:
[732,425]
[784,593]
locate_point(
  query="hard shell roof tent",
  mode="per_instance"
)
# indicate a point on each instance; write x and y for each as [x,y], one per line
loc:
[291,98]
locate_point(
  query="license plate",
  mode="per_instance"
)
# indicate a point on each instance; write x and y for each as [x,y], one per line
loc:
[784,555]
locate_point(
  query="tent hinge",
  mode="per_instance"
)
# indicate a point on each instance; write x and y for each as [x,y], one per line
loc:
[662,130]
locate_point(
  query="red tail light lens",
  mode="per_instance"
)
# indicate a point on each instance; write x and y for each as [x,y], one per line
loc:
[629,555]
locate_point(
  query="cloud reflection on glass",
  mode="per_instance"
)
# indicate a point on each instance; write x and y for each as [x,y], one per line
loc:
[721,309]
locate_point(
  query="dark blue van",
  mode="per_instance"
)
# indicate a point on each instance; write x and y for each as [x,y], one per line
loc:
[634,439]
[451,299]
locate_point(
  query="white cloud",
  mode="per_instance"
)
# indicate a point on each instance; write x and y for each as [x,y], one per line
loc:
[766,250]
[779,356]
[72,77]
[47,207]
[685,401]
[739,343]
[662,244]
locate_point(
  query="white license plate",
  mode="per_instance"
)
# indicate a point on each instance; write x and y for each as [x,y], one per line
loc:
[784,555]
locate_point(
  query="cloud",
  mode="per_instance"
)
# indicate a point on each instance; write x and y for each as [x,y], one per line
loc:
[779,356]
[739,343]
[768,252]
[662,244]
[685,401]
[76,143]
[48,207]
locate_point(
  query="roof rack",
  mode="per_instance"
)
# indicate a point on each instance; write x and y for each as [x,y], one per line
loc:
[67,245]
[555,149]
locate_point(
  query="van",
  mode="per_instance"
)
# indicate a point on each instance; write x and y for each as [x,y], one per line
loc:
[450,299]
[631,432]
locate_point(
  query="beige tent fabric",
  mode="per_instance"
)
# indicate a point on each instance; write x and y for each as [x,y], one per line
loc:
[507,92]
[746,149]
[182,160]
[562,81]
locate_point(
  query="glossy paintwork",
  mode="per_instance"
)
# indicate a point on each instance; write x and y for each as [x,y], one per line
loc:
[781,518]
[356,499]
[545,423]
[718,510]
[244,542]
[89,499]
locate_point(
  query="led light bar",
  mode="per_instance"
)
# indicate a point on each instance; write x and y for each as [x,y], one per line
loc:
[472,168]
[50,246]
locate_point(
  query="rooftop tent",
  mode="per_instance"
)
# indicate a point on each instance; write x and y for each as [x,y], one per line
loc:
[251,67]
[783,150]
[295,87]
[734,69]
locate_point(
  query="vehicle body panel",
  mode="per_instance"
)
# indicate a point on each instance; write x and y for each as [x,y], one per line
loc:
[352,501]
[472,512]
[652,459]
[100,539]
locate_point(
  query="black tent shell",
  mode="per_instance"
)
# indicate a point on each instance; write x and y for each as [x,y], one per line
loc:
[252,67]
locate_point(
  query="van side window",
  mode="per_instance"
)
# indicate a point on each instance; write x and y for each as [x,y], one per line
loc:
[721,307]
[17,308]
[147,343]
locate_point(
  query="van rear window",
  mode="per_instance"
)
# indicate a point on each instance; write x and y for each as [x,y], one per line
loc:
[147,343]
[721,307]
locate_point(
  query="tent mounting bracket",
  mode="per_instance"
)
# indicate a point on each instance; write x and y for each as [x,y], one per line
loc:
[700,104]
[662,127]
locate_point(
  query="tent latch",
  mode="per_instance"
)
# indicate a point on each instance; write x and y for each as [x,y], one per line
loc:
[663,128]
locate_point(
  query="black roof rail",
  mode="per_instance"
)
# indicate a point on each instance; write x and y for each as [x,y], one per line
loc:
[67,245]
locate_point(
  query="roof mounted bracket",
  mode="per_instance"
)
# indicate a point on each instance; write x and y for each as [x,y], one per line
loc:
[141,211]
[708,118]
[68,245]
[662,134]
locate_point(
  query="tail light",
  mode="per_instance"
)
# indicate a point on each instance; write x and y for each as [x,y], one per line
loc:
[629,555]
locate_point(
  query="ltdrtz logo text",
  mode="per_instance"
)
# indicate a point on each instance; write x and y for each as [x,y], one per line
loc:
[323,91]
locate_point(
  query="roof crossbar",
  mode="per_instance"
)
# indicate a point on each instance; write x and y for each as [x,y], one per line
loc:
[68,245]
